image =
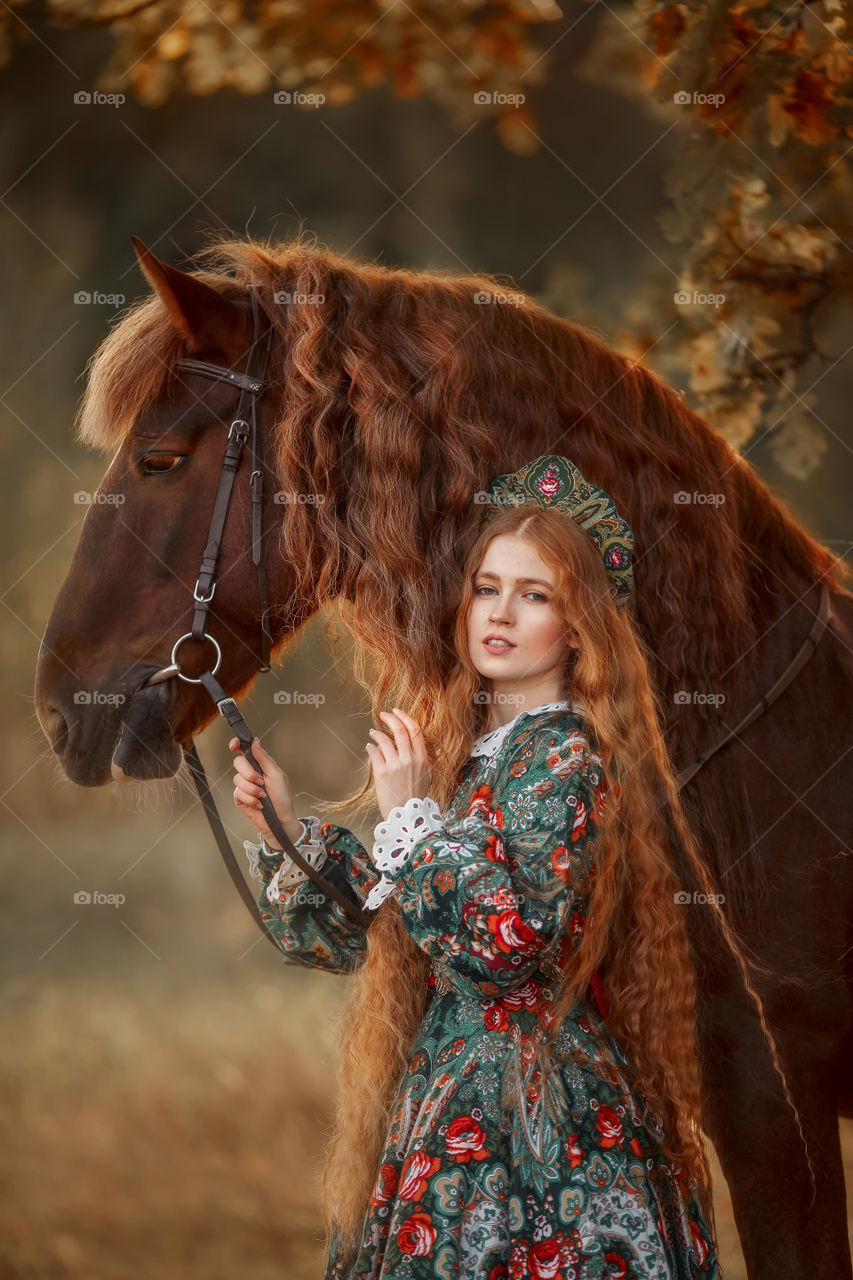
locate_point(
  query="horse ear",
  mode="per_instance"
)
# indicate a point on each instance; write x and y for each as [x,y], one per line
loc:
[202,315]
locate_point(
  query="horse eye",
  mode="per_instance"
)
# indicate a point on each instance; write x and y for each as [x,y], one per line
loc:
[159,463]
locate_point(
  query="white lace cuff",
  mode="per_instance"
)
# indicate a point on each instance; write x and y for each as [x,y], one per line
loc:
[310,844]
[402,829]
[383,889]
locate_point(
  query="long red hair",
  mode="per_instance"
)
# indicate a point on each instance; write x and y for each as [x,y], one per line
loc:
[634,938]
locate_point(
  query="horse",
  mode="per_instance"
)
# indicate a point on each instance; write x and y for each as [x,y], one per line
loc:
[393,399]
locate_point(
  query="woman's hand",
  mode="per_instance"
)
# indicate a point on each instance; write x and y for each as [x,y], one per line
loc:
[400,764]
[249,786]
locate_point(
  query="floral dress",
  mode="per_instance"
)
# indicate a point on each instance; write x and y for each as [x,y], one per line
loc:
[492,1169]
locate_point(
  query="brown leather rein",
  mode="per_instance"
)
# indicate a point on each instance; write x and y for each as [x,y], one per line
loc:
[253,384]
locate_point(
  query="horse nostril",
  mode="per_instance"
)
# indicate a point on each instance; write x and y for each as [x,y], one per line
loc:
[57,729]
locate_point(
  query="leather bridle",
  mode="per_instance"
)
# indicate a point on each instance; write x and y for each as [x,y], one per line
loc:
[252,384]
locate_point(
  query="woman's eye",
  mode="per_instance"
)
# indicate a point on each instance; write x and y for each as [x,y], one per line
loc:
[157,463]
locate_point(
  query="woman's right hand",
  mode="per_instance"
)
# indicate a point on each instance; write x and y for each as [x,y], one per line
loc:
[249,786]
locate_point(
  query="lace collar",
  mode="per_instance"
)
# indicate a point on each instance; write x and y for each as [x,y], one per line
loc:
[488,744]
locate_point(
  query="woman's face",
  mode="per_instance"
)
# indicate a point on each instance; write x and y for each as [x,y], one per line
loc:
[513,594]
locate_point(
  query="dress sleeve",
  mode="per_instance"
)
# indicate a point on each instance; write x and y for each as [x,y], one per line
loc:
[494,895]
[311,929]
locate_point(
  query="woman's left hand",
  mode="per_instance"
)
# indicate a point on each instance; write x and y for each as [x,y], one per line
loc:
[400,764]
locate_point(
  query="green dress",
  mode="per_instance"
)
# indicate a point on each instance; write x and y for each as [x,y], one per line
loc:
[490,1170]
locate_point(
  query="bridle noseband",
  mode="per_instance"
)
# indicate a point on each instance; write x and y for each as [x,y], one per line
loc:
[252,384]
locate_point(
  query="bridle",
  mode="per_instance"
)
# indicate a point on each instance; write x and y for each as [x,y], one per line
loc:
[252,384]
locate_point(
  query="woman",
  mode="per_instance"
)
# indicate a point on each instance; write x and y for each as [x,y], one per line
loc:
[490,1122]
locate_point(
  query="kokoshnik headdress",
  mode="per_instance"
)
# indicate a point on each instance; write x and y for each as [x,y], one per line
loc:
[552,481]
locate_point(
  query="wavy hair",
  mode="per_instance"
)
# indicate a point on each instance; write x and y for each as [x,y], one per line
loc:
[399,383]
[635,936]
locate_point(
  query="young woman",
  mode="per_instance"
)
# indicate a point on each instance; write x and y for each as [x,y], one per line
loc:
[519,1085]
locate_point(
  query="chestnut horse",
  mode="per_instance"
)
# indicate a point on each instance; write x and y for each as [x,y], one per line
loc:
[395,398]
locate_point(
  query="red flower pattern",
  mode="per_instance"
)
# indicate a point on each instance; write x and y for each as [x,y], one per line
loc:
[610,1127]
[465,1140]
[417,1235]
[416,1171]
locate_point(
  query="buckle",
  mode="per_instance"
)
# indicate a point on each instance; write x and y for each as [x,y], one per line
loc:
[234,432]
[203,599]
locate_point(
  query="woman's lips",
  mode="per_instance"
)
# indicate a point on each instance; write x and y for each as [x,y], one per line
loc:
[494,647]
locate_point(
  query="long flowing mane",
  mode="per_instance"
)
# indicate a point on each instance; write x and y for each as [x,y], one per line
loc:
[402,394]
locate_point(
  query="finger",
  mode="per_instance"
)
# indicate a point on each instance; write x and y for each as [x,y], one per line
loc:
[412,725]
[399,729]
[241,764]
[260,752]
[400,738]
[247,787]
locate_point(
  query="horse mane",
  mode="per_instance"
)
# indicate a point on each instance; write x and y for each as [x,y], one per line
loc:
[402,393]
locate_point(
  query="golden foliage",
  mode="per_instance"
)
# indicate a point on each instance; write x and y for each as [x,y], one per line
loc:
[760,200]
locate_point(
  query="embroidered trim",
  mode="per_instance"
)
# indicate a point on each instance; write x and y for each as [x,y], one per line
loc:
[384,888]
[489,744]
[405,825]
[309,842]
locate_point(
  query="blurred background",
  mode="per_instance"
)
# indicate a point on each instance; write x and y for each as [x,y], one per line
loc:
[166,1080]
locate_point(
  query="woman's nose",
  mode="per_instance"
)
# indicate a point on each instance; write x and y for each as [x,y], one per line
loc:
[500,612]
